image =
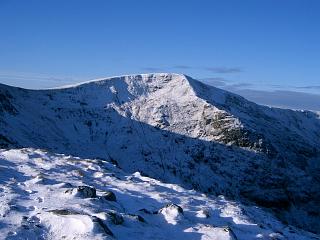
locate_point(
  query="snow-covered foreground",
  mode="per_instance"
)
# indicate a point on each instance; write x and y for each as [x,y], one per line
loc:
[41,198]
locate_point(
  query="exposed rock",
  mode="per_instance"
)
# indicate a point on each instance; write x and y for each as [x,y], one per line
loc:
[203,213]
[5,103]
[172,213]
[86,192]
[30,222]
[137,217]
[5,142]
[102,225]
[115,218]
[278,199]
[231,232]
[109,196]
[83,192]
[64,212]
[148,211]
[172,206]
[79,172]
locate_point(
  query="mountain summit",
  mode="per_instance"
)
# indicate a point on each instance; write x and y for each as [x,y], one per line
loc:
[179,130]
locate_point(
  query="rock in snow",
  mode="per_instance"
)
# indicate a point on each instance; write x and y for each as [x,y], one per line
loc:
[168,127]
[85,192]
[109,196]
[172,213]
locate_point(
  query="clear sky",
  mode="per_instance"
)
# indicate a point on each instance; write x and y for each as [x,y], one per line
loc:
[250,47]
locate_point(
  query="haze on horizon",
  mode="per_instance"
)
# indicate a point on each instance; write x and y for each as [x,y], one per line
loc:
[266,51]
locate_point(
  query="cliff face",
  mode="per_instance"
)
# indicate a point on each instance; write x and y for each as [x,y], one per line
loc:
[178,130]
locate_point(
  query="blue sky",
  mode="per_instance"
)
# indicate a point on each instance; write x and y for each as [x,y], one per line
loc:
[260,46]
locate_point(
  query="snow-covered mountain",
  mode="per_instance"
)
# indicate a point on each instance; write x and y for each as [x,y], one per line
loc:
[178,130]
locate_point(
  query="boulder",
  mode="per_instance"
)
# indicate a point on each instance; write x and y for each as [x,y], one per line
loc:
[115,218]
[83,192]
[109,196]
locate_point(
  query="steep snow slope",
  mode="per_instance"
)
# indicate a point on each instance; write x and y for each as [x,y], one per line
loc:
[176,129]
[40,200]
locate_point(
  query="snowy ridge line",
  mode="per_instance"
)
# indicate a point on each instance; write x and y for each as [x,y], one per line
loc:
[112,77]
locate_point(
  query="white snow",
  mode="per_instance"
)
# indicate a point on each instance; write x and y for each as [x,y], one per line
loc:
[33,183]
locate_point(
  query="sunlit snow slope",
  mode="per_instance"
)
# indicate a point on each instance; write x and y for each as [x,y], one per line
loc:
[175,129]
[40,200]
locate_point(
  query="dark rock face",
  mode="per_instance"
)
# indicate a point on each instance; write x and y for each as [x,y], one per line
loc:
[109,196]
[172,206]
[148,211]
[278,200]
[102,225]
[97,221]
[5,103]
[86,192]
[64,212]
[137,217]
[5,142]
[115,218]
